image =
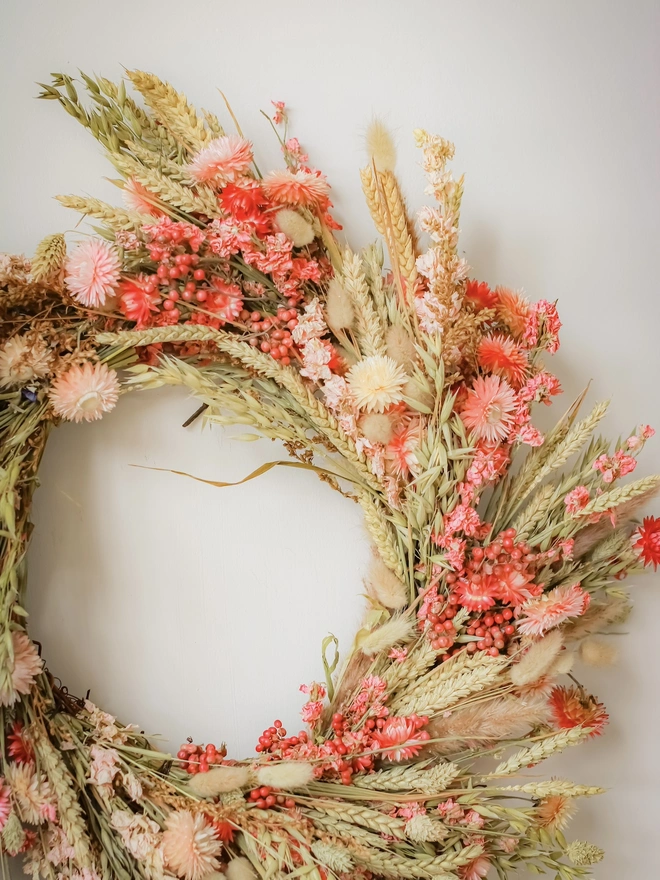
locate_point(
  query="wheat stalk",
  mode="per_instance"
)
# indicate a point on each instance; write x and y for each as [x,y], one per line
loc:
[399,675]
[620,495]
[382,534]
[48,260]
[431,780]
[369,329]
[372,819]
[403,242]
[200,200]
[555,787]
[115,218]
[171,108]
[372,196]
[551,745]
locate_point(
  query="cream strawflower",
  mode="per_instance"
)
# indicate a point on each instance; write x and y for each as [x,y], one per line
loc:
[190,846]
[92,272]
[27,665]
[376,382]
[31,793]
[222,160]
[85,393]
[21,361]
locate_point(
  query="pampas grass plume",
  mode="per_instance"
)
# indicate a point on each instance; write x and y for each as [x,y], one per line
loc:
[218,780]
[377,427]
[538,659]
[563,664]
[395,630]
[380,146]
[593,652]
[295,227]
[240,869]
[339,311]
[385,586]
[288,775]
[400,347]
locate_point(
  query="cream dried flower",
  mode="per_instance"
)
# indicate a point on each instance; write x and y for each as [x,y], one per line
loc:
[189,845]
[376,382]
[581,852]
[27,665]
[22,361]
[85,393]
[31,794]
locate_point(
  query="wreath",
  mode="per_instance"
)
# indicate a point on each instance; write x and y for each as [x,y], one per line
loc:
[498,553]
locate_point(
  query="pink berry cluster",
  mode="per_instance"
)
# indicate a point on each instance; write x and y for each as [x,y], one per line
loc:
[264,799]
[198,759]
[274,740]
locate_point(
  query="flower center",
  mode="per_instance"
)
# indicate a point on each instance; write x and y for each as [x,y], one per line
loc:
[90,401]
[494,414]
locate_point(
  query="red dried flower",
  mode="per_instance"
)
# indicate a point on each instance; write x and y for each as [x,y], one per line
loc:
[480,295]
[571,707]
[648,541]
[18,747]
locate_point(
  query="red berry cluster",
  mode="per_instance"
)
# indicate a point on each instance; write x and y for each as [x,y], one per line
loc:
[347,766]
[494,631]
[197,759]
[264,799]
[273,332]
[275,740]
[442,633]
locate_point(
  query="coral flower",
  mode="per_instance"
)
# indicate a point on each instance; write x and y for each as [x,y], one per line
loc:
[576,500]
[400,739]
[222,160]
[476,596]
[305,188]
[376,382]
[512,310]
[5,803]
[512,587]
[85,393]
[92,272]
[27,665]
[488,410]
[571,707]
[552,609]
[190,846]
[648,541]
[476,869]
[18,745]
[480,295]
[499,354]
[400,451]
[137,300]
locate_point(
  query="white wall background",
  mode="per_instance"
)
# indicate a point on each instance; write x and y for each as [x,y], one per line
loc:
[198,611]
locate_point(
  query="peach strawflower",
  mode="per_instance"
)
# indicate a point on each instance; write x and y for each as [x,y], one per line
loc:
[222,160]
[31,794]
[92,272]
[22,361]
[513,310]
[400,739]
[85,392]
[553,608]
[304,188]
[376,382]
[138,198]
[499,354]
[400,451]
[555,812]
[189,845]
[488,410]
[572,707]
[27,665]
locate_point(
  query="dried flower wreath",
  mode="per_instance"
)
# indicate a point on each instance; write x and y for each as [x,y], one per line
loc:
[409,391]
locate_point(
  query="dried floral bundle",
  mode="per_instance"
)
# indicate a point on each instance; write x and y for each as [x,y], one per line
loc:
[410,390]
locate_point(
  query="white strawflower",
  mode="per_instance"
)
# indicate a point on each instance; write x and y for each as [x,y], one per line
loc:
[376,382]
[190,846]
[22,362]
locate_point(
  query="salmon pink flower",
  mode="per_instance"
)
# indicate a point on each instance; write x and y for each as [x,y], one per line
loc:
[400,451]
[499,354]
[476,594]
[5,803]
[543,326]
[280,113]
[26,666]
[138,198]
[400,738]
[614,466]
[308,189]
[92,272]
[488,410]
[222,160]
[571,707]
[648,541]
[512,310]
[190,846]
[138,300]
[576,500]
[242,202]
[553,608]
[480,295]
[476,869]
[85,392]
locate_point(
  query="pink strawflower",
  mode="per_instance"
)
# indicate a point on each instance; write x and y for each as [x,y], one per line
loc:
[92,272]
[400,739]
[5,803]
[576,500]
[27,665]
[305,188]
[488,411]
[85,392]
[222,160]
[190,846]
[476,869]
[553,608]
[400,451]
